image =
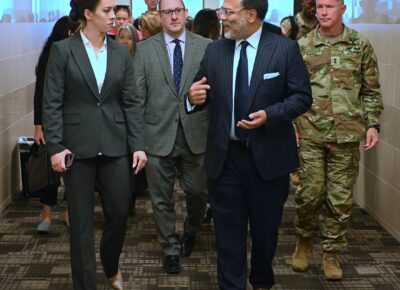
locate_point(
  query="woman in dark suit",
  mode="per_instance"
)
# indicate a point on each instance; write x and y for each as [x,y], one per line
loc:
[90,112]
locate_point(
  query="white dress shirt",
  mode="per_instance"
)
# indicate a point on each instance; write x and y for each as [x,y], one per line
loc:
[99,61]
[251,51]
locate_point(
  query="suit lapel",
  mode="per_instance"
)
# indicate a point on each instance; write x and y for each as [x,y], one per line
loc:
[266,49]
[82,60]
[227,66]
[190,51]
[163,57]
[113,63]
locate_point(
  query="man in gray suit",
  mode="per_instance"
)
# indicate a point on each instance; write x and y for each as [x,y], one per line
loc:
[165,66]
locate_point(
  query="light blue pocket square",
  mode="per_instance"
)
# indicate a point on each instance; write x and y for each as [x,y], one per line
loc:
[271,75]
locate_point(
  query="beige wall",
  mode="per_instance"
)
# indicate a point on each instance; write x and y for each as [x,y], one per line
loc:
[378,186]
[19,50]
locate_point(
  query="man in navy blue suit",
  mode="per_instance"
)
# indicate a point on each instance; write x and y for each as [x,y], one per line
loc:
[254,83]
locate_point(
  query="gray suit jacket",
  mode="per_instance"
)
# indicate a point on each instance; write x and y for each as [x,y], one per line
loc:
[163,106]
[79,118]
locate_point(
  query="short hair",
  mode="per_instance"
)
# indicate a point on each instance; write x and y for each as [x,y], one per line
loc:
[261,6]
[160,3]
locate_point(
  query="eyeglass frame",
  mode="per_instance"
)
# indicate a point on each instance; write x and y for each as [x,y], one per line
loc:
[170,12]
[222,11]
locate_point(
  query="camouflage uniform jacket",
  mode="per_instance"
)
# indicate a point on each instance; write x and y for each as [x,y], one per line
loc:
[305,25]
[345,87]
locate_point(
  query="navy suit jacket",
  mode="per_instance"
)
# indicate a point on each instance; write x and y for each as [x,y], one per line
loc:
[284,97]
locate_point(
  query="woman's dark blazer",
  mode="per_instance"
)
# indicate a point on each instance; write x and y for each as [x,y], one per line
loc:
[79,118]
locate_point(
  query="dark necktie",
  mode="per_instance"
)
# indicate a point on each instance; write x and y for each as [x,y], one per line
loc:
[178,63]
[241,91]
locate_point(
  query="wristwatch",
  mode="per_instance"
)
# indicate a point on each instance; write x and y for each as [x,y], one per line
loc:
[376,126]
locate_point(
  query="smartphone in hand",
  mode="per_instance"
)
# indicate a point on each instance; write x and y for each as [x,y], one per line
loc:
[69,159]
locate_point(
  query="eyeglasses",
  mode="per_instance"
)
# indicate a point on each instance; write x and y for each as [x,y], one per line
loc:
[169,12]
[226,12]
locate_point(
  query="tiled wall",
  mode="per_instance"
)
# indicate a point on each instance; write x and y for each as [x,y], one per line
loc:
[19,49]
[378,186]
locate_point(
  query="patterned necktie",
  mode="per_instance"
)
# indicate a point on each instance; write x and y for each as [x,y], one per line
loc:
[178,63]
[241,91]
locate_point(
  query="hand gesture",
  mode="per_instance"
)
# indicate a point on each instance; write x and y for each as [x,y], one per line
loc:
[198,92]
[257,119]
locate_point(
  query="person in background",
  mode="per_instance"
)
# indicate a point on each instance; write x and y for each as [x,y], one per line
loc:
[62,29]
[189,23]
[90,112]
[206,24]
[296,27]
[126,35]
[151,7]
[122,15]
[150,24]
[344,75]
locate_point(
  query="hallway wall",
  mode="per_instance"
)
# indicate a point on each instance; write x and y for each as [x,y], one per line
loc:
[378,186]
[19,50]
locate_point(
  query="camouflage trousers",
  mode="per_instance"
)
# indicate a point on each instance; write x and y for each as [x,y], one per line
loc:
[327,172]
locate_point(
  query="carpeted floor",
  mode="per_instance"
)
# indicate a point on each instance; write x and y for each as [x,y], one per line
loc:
[29,260]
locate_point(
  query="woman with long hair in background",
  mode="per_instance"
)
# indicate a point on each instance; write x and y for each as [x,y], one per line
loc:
[62,29]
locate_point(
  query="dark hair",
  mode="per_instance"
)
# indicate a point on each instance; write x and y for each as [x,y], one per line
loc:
[79,6]
[122,7]
[60,31]
[159,5]
[261,6]
[206,24]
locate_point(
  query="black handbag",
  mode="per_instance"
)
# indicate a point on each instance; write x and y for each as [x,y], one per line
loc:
[39,170]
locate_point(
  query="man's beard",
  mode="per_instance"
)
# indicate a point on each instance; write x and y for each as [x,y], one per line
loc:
[238,27]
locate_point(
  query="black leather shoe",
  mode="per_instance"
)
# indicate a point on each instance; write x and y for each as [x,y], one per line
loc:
[187,244]
[171,264]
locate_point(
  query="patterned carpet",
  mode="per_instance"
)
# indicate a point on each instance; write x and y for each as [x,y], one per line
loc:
[29,260]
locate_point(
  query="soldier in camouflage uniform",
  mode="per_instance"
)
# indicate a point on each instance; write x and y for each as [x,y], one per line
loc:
[347,103]
[305,21]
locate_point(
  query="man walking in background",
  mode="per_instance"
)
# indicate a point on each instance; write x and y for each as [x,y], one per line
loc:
[296,27]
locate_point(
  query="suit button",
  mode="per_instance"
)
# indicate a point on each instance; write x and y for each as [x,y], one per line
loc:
[176,120]
[98,104]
